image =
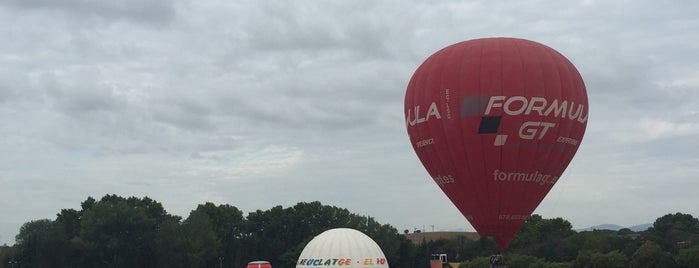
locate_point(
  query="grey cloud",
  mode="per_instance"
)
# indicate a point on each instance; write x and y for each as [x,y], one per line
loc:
[11,87]
[357,29]
[79,93]
[149,12]
[348,97]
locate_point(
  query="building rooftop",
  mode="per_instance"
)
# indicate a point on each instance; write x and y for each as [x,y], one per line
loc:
[417,238]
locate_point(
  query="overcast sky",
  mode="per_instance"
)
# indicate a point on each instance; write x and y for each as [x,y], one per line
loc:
[265,103]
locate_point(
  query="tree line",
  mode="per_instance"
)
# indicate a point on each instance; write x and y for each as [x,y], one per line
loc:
[672,241]
[137,232]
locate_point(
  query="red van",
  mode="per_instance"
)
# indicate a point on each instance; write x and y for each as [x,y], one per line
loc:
[259,264]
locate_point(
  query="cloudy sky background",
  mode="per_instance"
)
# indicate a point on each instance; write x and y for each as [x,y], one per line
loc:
[265,103]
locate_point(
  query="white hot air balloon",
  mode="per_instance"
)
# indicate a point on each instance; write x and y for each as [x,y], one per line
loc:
[342,247]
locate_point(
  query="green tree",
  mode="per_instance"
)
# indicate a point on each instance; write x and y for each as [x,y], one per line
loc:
[525,261]
[651,255]
[558,265]
[228,224]
[204,245]
[405,255]
[120,232]
[172,246]
[69,220]
[6,255]
[595,259]
[88,204]
[688,257]
[192,243]
[484,246]
[624,231]
[422,254]
[545,238]
[674,231]
[40,243]
[478,262]
[597,241]
[268,235]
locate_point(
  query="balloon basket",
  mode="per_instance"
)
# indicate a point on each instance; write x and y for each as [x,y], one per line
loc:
[497,261]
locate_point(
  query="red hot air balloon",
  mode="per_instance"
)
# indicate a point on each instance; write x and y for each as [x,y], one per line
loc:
[495,122]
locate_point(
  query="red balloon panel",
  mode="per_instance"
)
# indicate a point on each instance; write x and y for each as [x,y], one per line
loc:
[495,122]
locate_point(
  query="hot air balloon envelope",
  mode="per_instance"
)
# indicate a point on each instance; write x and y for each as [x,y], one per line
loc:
[342,247]
[495,122]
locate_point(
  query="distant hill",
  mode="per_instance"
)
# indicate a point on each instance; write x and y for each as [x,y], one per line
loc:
[614,227]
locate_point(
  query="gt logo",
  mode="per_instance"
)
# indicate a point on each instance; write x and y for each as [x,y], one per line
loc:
[529,130]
